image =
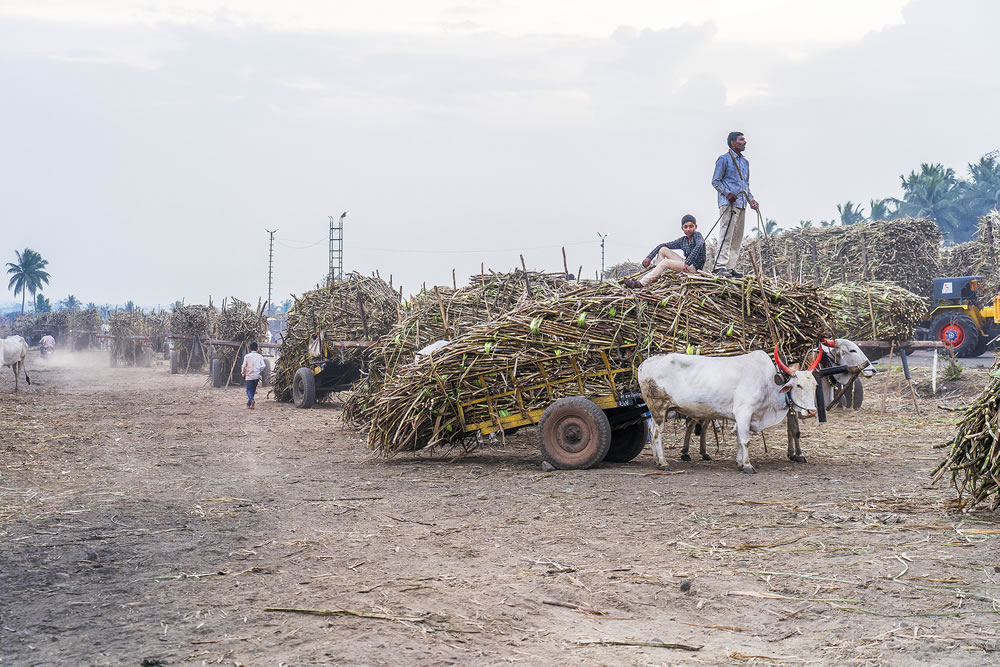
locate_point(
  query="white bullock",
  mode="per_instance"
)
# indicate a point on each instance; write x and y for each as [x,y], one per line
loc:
[743,388]
[14,350]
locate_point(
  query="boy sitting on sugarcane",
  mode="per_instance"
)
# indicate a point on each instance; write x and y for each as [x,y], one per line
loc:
[663,256]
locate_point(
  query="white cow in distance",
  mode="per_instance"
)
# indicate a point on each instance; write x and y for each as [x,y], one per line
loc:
[13,351]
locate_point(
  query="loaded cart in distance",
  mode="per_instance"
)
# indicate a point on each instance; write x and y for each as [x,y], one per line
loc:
[332,366]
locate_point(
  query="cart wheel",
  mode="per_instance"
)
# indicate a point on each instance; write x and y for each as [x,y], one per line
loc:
[574,433]
[173,362]
[627,443]
[304,388]
[265,375]
[847,398]
[859,394]
[216,373]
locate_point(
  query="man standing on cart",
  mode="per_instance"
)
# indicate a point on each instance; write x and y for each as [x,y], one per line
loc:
[731,179]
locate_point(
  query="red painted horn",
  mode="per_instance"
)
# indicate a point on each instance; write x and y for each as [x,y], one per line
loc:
[830,342]
[815,363]
[781,366]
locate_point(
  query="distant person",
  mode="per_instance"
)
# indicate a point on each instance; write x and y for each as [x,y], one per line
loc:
[47,345]
[732,181]
[663,256]
[253,365]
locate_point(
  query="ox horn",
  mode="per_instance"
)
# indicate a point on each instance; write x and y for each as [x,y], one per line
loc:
[830,342]
[815,363]
[781,365]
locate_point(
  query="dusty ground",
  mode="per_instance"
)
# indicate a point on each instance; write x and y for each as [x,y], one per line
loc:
[148,519]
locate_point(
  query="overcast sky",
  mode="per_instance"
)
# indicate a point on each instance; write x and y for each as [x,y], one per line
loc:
[147,146]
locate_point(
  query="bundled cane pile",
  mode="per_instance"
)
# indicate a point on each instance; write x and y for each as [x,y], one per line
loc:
[903,251]
[23,325]
[974,455]
[86,323]
[874,310]
[979,257]
[623,270]
[159,327]
[444,313]
[129,331]
[356,308]
[543,342]
[240,323]
[197,323]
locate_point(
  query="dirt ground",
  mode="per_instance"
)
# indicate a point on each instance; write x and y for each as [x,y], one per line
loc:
[148,519]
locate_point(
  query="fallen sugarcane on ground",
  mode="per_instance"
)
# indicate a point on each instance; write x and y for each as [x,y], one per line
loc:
[356,308]
[444,313]
[973,458]
[574,344]
[875,310]
[904,251]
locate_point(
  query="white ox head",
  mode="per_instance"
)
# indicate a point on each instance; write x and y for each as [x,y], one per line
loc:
[800,387]
[844,352]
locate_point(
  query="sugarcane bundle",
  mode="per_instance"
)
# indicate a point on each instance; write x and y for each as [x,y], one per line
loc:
[623,270]
[904,251]
[191,326]
[356,308]
[557,345]
[54,322]
[129,333]
[86,323]
[444,313]
[23,325]
[979,257]
[874,310]
[159,327]
[239,323]
[974,453]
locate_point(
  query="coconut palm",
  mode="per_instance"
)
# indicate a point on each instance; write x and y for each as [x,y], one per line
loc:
[805,224]
[42,305]
[70,303]
[935,193]
[880,209]
[983,192]
[28,274]
[850,213]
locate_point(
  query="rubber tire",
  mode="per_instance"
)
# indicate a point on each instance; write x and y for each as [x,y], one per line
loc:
[627,443]
[216,373]
[980,350]
[573,434]
[971,342]
[859,394]
[265,375]
[304,388]
[173,362]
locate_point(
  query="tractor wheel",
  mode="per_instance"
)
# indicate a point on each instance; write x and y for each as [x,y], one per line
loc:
[958,333]
[216,373]
[627,443]
[304,388]
[574,433]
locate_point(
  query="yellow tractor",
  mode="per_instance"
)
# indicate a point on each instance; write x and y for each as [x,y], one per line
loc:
[959,320]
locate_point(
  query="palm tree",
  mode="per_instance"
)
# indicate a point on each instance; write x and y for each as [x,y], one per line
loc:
[27,274]
[42,305]
[850,213]
[130,306]
[880,209]
[805,224]
[91,306]
[983,193]
[935,193]
[70,303]
[827,223]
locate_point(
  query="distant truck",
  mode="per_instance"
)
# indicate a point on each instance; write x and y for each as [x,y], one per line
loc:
[958,317]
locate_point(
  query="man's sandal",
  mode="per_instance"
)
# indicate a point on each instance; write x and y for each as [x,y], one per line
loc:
[631,283]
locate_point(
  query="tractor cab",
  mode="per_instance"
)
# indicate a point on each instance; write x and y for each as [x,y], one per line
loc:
[957,319]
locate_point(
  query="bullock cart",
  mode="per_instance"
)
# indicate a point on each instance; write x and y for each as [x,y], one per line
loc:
[225,372]
[83,339]
[186,353]
[129,350]
[330,369]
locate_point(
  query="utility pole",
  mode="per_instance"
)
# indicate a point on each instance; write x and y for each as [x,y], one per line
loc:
[602,236]
[337,247]
[270,269]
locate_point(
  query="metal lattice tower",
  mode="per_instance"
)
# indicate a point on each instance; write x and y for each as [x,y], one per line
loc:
[337,247]
[270,271]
